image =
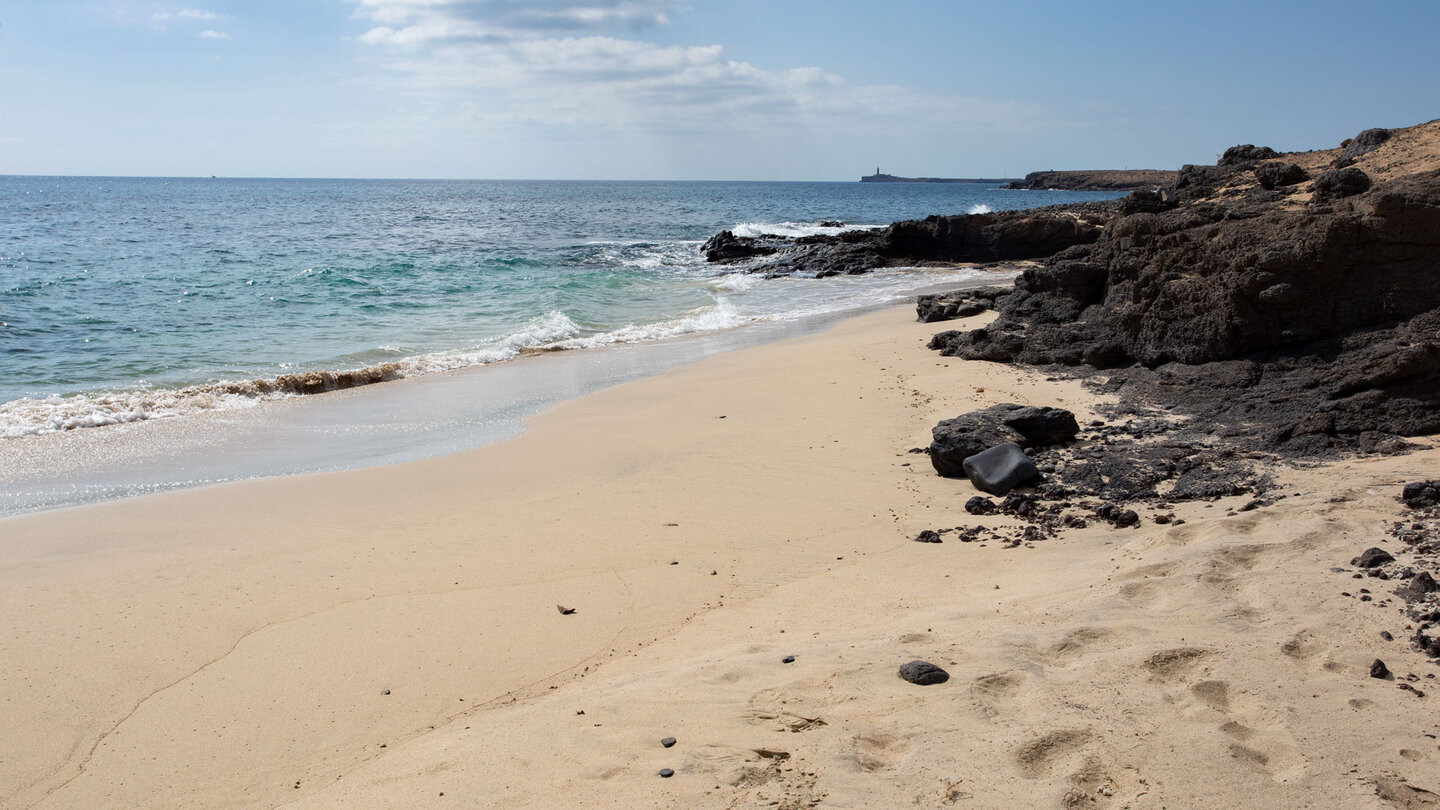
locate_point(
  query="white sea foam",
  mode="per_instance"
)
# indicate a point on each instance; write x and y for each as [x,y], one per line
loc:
[739,299]
[980,208]
[794,229]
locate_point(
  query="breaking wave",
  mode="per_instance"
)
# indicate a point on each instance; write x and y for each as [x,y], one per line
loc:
[794,229]
[553,331]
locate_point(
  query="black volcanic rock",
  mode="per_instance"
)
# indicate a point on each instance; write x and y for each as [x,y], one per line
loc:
[923,673]
[1420,494]
[1341,183]
[1372,557]
[1364,143]
[1311,329]
[988,237]
[1246,153]
[955,440]
[727,247]
[1276,175]
[1000,469]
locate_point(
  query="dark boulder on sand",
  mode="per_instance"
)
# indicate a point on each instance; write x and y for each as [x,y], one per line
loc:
[954,440]
[1000,469]
[1372,557]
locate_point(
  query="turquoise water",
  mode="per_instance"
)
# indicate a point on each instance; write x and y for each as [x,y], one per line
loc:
[127,299]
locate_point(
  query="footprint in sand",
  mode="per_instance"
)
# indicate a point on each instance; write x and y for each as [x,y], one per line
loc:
[877,751]
[995,692]
[1168,665]
[1039,758]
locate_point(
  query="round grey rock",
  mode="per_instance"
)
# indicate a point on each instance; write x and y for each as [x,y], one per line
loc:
[923,673]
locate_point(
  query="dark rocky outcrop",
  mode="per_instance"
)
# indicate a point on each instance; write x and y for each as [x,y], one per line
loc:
[1316,327]
[727,247]
[1095,180]
[955,440]
[1362,144]
[956,304]
[988,237]
[1246,153]
[1276,175]
[1341,183]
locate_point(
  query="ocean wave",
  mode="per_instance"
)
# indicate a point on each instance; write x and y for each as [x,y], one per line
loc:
[980,208]
[794,229]
[553,331]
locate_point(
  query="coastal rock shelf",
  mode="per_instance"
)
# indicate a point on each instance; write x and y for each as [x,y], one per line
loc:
[1303,315]
[985,237]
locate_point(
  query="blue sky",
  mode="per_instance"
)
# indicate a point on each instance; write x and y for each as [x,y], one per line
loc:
[693,89]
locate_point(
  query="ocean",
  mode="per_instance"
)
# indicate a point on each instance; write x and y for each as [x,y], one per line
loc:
[140,300]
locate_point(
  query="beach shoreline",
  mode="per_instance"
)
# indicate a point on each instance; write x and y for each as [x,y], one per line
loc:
[379,636]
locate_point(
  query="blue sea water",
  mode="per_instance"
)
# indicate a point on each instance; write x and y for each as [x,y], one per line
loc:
[128,299]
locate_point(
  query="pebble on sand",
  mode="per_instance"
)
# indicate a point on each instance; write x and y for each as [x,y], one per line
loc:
[666,773]
[668,741]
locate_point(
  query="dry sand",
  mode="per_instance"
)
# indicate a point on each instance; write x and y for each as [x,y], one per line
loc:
[378,638]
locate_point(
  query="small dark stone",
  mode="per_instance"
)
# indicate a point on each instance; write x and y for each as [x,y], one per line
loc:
[1372,558]
[789,659]
[980,505]
[668,742]
[1379,670]
[1385,634]
[666,773]
[384,691]
[923,673]
[929,536]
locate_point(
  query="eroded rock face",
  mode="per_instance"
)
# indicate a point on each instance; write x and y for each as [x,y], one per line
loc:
[1196,285]
[1319,326]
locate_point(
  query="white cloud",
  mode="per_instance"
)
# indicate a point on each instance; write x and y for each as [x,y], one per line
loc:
[187,14]
[434,20]
[209,34]
[546,62]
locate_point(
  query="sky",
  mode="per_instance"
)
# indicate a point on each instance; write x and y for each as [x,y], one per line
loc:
[694,89]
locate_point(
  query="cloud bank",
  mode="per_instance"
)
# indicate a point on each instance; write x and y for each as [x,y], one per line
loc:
[572,63]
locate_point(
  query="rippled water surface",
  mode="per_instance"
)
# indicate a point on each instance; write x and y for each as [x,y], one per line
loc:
[125,299]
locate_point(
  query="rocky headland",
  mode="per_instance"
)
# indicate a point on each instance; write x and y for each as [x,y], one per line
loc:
[1095,180]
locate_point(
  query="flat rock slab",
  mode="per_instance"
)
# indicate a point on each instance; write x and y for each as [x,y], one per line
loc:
[1000,469]
[923,673]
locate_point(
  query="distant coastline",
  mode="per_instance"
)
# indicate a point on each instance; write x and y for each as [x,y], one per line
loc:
[1095,180]
[879,177]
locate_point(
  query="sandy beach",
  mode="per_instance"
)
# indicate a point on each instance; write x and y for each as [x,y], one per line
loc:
[389,637]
